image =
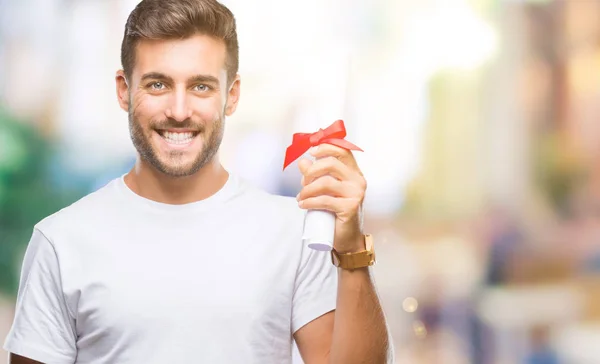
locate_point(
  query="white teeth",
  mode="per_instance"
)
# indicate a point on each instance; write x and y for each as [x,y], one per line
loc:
[178,138]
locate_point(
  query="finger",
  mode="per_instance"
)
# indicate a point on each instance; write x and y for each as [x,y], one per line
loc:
[343,207]
[324,202]
[304,165]
[330,186]
[329,166]
[330,150]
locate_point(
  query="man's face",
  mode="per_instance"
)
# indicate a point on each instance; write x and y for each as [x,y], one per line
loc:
[177,99]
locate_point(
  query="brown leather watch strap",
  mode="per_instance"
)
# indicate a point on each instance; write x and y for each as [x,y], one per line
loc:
[356,260]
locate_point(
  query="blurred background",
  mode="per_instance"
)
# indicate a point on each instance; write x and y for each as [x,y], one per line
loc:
[478,120]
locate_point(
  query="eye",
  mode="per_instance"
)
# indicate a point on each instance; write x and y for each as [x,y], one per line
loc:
[157,86]
[201,88]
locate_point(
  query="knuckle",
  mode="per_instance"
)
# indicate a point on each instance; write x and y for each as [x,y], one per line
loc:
[330,181]
[359,192]
[327,163]
[326,182]
[362,183]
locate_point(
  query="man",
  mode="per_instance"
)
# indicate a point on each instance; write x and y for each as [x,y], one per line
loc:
[179,261]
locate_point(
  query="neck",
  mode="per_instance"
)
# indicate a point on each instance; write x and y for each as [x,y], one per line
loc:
[146,181]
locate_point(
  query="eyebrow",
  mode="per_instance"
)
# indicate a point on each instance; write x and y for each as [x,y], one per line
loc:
[203,79]
[193,79]
[156,76]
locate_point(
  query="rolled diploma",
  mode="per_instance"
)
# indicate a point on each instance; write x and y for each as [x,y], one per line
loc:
[319,229]
[319,225]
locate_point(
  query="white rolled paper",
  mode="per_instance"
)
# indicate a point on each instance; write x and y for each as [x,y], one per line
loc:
[319,225]
[319,230]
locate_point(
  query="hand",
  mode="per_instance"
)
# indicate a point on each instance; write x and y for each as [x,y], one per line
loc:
[335,183]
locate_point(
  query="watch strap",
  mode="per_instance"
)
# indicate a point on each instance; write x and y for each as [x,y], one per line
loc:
[355,260]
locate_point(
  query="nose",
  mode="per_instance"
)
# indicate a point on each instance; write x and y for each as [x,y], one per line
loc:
[179,109]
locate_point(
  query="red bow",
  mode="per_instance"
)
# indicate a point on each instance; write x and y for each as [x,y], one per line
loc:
[301,142]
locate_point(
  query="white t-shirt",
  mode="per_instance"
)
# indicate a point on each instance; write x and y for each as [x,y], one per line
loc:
[117,278]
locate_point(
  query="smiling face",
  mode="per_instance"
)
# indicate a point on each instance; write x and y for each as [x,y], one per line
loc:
[177,98]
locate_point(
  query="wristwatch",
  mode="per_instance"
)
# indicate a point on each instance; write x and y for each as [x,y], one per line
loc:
[356,260]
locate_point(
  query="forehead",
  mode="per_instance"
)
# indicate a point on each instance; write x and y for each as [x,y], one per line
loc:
[181,58]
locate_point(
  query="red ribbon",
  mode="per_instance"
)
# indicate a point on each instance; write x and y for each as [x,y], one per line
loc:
[301,142]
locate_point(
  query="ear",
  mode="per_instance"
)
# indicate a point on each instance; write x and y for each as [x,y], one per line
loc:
[122,90]
[233,96]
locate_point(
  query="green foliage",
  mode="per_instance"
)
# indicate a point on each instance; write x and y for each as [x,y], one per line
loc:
[26,194]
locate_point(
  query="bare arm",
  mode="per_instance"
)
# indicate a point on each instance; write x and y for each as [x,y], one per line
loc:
[16,359]
[314,339]
[355,333]
[358,334]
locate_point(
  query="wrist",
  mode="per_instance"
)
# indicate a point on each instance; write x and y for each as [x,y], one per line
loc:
[359,255]
[354,245]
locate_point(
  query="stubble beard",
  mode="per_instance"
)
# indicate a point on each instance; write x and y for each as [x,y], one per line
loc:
[172,165]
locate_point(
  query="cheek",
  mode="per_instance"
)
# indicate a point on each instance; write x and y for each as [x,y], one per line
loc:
[145,108]
[209,110]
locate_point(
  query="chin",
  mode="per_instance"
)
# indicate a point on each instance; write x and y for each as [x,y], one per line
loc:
[175,169]
[178,172]
[179,163]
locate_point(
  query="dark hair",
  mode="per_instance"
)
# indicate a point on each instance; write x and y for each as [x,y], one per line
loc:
[180,19]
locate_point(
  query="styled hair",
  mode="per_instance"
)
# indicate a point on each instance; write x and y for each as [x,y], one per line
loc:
[180,19]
